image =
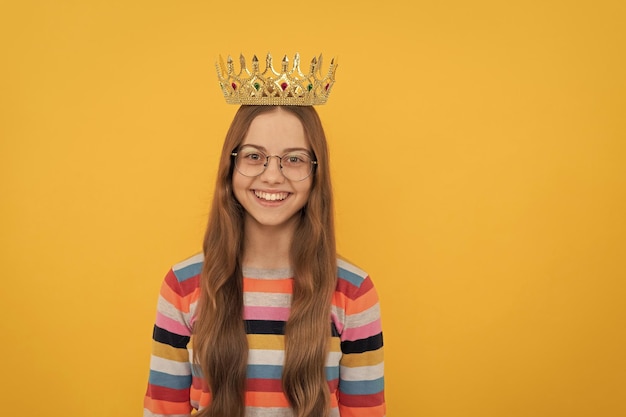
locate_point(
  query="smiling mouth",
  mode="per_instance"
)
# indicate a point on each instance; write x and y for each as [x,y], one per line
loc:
[270,196]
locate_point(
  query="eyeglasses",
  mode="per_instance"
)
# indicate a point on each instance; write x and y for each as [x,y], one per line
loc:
[252,162]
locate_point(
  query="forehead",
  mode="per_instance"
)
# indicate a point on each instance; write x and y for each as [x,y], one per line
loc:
[276,131]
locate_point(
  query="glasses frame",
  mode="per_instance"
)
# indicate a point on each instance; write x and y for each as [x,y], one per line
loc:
[267,162]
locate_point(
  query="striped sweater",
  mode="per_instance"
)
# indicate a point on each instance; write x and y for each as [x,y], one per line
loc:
[354,366]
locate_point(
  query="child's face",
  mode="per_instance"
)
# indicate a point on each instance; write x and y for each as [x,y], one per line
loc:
[269,198]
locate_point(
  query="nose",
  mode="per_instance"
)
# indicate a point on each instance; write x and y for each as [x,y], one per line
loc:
[272,172]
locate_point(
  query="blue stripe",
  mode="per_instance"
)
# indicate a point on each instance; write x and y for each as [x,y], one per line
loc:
[275,372]
[189,271]
[362,387]
[332,373]
[351,277]
[170,381]
[265,371]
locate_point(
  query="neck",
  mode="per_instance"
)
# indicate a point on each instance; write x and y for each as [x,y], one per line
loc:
[267,247]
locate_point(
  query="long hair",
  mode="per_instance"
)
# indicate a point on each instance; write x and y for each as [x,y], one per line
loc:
[220,343]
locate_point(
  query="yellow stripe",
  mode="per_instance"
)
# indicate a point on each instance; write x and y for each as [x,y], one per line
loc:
[166,351]
[266,341]
[354,360]
[334,344]
[277,342]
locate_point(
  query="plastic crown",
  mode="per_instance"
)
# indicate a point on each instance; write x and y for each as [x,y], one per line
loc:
[288,87]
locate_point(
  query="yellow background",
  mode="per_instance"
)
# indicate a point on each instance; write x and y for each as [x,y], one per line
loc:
[479,167]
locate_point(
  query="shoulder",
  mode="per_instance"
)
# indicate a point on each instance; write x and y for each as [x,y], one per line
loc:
[349,272]
[352,281]
[188,269]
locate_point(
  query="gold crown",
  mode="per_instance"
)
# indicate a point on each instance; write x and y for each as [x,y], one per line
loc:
[288,87]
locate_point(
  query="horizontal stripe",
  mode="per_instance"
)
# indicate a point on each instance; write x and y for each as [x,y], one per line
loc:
[362,332]
[277,286]
[171,325]
[170,381]
[266,399]
[264,371]
[362,387]
[362,345]
[265,327]
[274,327]
[266,357]
[362,405]
[260,299]
[175,340]
[163,350]
[264,385]
[263,273]
[266,341]
[164,394]
[170,367]
[266,313]
[356,360]
[362,373]
[277,357]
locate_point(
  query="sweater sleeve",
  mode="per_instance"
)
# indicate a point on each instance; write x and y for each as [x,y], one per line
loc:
[170,378]
[361,376]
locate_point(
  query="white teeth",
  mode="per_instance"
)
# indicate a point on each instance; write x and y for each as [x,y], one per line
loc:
[270,196]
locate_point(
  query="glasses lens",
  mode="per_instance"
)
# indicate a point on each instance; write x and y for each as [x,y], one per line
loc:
[250,161]
[297,166]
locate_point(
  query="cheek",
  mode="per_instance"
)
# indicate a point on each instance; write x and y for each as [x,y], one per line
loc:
[305,189]
[240,185]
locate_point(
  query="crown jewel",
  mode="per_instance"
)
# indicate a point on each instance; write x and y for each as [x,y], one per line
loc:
[270,87]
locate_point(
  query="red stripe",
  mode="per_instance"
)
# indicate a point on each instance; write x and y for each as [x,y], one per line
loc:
[264,385]
[352,291]
[182,288]
[370,400]
[333,385]
[157,392]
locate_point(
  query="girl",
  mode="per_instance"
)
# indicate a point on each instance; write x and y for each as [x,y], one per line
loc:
[278,325]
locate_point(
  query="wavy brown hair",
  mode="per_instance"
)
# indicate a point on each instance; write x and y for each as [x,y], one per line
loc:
[220,343]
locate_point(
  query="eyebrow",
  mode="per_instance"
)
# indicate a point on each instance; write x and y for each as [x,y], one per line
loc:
[262,148]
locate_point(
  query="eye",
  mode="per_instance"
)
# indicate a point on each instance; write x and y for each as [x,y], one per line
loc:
[295,159]
[251,156]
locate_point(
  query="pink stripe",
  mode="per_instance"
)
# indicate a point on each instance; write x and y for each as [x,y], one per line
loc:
[266,313]
[171,325]
[362,332]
